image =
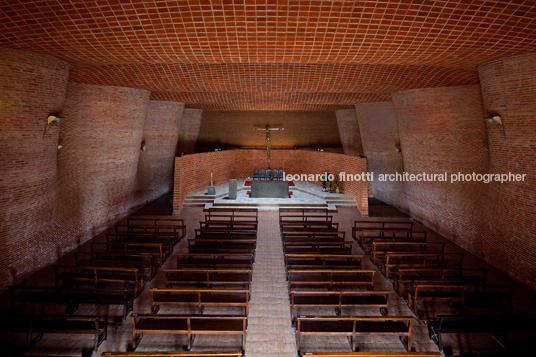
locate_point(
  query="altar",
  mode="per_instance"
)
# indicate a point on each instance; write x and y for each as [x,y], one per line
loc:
[269,189]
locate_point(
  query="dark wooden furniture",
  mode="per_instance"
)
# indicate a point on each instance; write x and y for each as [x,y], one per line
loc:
[338,300]
[325,247]
[395,261]
[322,261]
[145,262]
[330,279]
[397,224]
[371,354]
[410,276]
[222,245]
[366,237]
[354,326]
[232,278]
[199,297]
[216,214]
[187,325]
[174,354]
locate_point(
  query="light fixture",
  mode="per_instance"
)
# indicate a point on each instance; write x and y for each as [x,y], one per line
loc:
[496,120]
[51,121]
[398,148]
[143,145]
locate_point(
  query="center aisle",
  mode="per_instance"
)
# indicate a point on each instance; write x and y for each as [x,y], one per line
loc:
[269,330]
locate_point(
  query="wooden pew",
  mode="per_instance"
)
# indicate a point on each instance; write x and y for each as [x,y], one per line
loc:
[174,354]
[409,276]
[72,298]
[294,215]
[381,249]
[217,214]
[155,220]
[323,261]
[47,324]
[214,260]
[314,237]
[330,279]
[232,278]
[222,245]
[250,225]
[318,247]
[129,279]
[352,326]
[187,325]
[199,298]
[395,261]
[498,326]
[143,261]
[372,354]
[236,235]
[226,231]
[398,224]
[366,237]
[339,299]
[160,250]
[285,226]
[436,292]
[152,230]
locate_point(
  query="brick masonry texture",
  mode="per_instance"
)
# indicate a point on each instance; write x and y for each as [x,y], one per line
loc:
[272,55]
[509,89]
[379,134]
[230,129]
[160,137]
[52,200]
[192,172]
[349,131]
[189,130]
[31,87]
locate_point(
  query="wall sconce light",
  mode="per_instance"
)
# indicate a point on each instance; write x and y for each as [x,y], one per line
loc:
[398,148]
[143,146]
[52,120]
[60,146]
[496,120]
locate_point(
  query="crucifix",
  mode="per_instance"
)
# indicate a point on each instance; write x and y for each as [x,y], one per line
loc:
[268,131]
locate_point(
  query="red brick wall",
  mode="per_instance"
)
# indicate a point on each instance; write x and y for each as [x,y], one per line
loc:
[509,89]
[349,131]
[31,87]
[379,133]
[98,162]
[192,172]
[234,129]
[442,130]
[189,130]
[160,136]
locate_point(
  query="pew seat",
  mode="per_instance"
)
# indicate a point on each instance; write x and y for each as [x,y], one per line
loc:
[200,298]
[189,277]
[330,279]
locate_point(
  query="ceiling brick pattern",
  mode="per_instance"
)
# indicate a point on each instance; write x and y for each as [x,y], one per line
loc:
[266,47]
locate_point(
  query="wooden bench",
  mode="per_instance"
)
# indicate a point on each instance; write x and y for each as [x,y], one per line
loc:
[41,324]
[232,214]
[314,237]
[330,279]
[438,275]
[368,236]
[252,225]
[395,261]
[339,299]
[199,298]
[188,325]
[143,261]
[352,326]
[155,220]
[381,249]
[222,245]
[371,354]
[436,292]
[214,260]
[174,354]
[152,230]
[498,326]
[237,235]
[72,298]
[323,261]
[129,279]
[285,226]
[160,250]
[381,225]
[292,215]
[326,247]
[232,278]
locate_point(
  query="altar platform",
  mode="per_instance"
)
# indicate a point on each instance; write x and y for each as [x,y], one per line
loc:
[304,195]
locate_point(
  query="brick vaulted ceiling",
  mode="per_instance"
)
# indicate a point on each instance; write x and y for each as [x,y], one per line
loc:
[270,55]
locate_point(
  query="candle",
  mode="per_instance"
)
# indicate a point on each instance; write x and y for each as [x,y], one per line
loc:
[211,180]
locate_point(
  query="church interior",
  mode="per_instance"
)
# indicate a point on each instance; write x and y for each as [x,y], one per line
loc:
[267,178]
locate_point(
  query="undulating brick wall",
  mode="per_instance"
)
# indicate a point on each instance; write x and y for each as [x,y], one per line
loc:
[192,172]
[379,133]
[442,130]
[509,89]
[99,160]
[234,129]
[189,130]
[31,87]
[160,136]
[349,131]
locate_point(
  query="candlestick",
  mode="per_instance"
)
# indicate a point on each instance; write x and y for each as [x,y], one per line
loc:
[211,180]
